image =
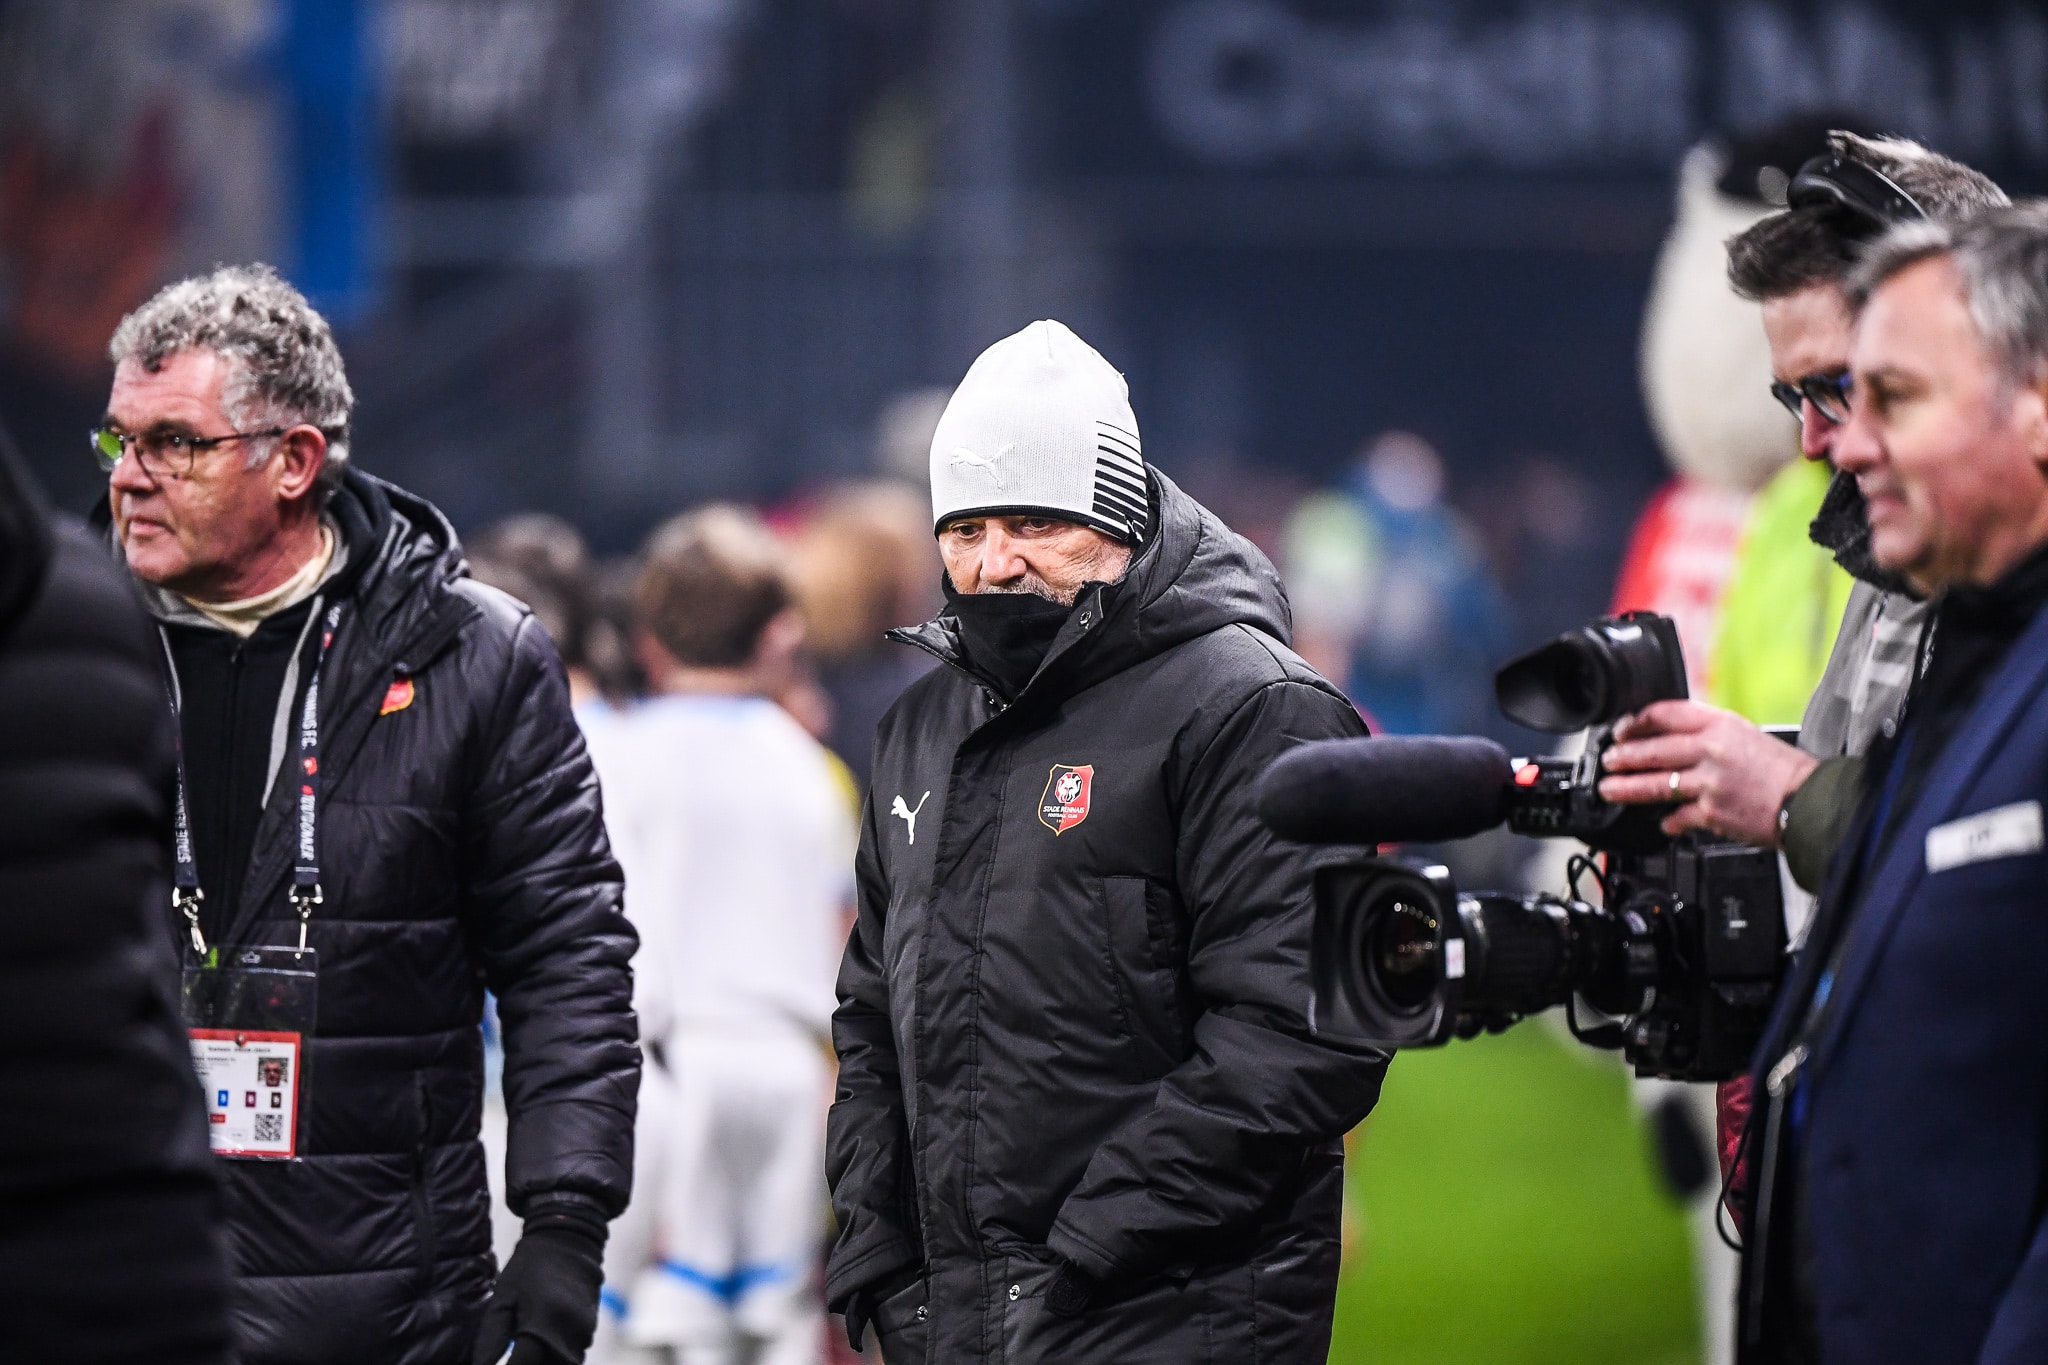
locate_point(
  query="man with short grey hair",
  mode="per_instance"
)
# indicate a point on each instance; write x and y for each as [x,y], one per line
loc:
[384,808]
[1902,1144]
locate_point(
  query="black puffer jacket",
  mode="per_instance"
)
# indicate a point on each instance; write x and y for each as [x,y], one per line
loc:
[462,846]
[1087,1039]
[109,1250]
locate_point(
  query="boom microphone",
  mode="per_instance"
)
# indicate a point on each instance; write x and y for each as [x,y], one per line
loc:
[1386,790]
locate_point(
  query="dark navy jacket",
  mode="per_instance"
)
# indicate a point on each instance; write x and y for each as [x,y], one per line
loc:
[1924,1147]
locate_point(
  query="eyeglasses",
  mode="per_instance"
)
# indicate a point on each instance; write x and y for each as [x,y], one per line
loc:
[163,452]
[1829,394]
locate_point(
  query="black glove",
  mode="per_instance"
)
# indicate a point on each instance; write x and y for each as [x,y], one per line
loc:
[860,1310]
[859,1307]
[1070,1291]
[546,1297]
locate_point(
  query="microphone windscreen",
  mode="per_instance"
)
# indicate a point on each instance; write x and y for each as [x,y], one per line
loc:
[1386,790]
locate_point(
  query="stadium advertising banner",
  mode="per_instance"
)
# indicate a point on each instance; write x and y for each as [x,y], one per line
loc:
[1277,87]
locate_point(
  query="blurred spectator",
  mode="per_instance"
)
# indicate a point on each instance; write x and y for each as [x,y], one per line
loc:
[1391,593]
[85,226]
[614,663]
[738,843]
[542,560]
[1547,529]
[109,1212]
[1783,602]
[903,436]
[865,561]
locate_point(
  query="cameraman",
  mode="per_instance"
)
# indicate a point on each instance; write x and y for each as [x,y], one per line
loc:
[1724,772]
[1903,1143]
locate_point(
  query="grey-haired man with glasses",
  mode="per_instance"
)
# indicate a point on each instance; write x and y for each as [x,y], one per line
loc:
[384,807]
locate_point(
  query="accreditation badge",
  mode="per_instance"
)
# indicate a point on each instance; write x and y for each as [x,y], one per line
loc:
[249,1012]
[251,1081]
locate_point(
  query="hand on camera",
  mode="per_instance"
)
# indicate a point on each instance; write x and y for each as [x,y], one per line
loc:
[1731,776]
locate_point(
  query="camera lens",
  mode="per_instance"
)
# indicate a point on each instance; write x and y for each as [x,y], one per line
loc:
[1521,951]
[1377,958]
[1404,955]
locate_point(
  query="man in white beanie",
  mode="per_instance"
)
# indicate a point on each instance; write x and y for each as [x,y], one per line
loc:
[1081,1116]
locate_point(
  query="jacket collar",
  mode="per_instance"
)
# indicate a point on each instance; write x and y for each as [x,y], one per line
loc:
[402,614]
[171,609]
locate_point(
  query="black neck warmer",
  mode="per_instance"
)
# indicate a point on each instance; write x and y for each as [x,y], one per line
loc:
[1005,634]
[1843,526]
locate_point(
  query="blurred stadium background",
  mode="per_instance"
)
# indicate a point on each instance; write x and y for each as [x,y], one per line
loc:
[1376,271]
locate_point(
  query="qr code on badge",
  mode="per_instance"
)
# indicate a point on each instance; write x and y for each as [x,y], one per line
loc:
[269,1127]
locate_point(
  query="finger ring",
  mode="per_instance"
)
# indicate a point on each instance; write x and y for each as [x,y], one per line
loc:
[1674,784]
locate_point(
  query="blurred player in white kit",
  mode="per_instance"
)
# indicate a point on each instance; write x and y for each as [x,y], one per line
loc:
[737,837]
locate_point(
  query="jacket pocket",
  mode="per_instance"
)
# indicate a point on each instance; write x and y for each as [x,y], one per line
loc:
[902,1324]
[1154,1320]
[1145,969]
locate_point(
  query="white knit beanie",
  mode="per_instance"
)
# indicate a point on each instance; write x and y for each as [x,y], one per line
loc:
[1042,423]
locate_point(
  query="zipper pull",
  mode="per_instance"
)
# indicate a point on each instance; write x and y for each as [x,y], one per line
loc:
[1780,1078]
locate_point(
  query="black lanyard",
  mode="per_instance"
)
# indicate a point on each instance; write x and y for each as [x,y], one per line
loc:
[305,888]
[185,892]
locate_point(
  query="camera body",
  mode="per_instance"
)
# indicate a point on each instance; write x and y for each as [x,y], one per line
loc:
[1559,798]
[1685,954]
[1682,951]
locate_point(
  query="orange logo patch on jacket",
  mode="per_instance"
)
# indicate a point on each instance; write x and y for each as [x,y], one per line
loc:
[397,697]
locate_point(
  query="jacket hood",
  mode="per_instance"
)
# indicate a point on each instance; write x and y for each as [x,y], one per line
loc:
[1194,575]
[399,584]
[409,546]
